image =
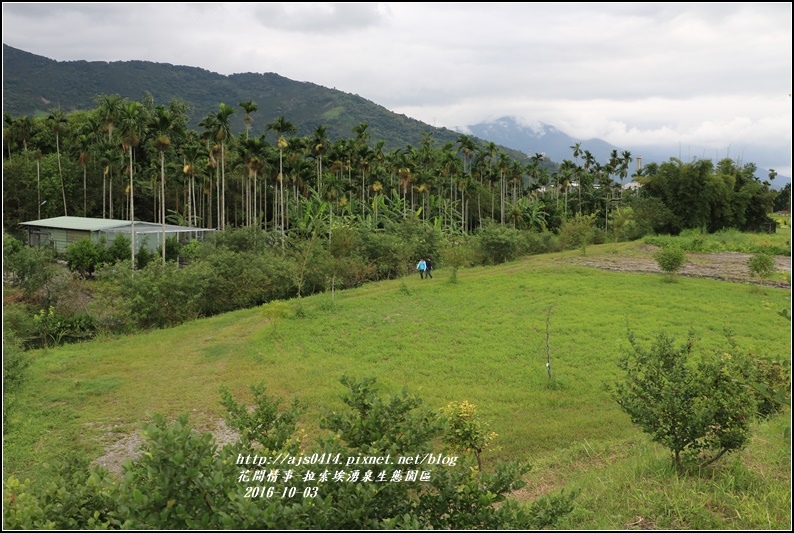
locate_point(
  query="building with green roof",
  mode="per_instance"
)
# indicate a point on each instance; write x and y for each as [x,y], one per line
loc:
[60,232]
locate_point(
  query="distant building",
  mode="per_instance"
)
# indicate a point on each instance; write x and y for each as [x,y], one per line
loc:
[60,232]
[632,186]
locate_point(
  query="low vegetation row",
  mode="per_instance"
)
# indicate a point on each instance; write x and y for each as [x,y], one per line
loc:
[247,267]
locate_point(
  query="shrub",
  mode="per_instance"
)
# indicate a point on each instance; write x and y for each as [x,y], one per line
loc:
[578,232]
[498,244]
[74,497]
[240,240]
[456,254]
[182,480]
[30,269]
[144,256]
[762,265]
[274,311]
[265,424]
[623,224]
[386,252]
[465,430]
[119,249]
[770,382]
[232,280]
[691,408]
[162,295]
[172,249]
[18,321]
[670,259]
[15,363]
[85,255]
[540,243]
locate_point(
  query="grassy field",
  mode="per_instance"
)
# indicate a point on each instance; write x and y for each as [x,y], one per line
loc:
[482,340]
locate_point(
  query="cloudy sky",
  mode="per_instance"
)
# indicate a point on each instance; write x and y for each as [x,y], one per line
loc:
[714,75]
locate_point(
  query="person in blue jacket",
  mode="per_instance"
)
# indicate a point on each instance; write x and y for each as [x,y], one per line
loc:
[421,267]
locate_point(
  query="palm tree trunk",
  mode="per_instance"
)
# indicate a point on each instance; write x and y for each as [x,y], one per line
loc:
[162,200]
[60,173]
[132,215]
[104,191]
[38,186]
[110,194]
[222,218]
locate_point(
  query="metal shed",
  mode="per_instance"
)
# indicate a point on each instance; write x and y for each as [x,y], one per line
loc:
[60,232]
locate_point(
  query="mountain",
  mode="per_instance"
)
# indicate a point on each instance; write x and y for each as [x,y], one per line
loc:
[532,138]
[34,85]
[537,138]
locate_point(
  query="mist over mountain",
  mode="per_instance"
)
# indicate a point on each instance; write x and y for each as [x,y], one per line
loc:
[538,137]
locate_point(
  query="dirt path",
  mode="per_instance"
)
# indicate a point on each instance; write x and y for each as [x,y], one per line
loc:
[727,266]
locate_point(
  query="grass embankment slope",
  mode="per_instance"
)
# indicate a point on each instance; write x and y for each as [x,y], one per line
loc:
[482,340]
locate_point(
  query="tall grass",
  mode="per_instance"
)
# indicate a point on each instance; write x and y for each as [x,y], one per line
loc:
[729,240]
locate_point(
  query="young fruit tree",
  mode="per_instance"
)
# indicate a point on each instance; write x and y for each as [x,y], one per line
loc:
[762,265]
[700,410]
[671,260]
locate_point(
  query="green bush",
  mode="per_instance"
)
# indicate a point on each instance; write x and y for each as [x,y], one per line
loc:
[120,248]
[241,240]
[697,410]
[163,295]
[762,265]
[265,425]
[172,249]
[232,280]
[498,244]
[85,255]
[53,328]
[422,240]
[144,255]
[770,382]
[465,430]
[540,243]
[15,363]
[30,269]
[456,253]
[385,251]
[670,259]
[18,321]
[74,497]
[183,480]
[578,232]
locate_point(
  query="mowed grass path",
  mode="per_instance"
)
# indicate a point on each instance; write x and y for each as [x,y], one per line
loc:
[482,340]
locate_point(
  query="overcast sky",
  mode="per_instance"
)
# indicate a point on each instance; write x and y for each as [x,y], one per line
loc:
[714,75]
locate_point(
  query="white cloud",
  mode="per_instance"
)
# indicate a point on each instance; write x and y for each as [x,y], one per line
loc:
[713,74]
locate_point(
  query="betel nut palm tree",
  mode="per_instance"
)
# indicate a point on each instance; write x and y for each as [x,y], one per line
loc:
[132,122]
[58,124]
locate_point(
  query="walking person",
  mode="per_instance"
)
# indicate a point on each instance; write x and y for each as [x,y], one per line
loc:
[421,267]
[428,267]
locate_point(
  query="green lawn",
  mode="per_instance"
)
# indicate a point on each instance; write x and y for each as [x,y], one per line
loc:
[482,340]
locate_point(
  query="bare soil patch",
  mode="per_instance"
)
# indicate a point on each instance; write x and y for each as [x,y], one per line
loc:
[726,266]
[128,445]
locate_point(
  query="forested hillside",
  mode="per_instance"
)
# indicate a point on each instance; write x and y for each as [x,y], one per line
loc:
[34,85]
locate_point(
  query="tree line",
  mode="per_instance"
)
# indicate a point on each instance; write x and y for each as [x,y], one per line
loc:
[135,160]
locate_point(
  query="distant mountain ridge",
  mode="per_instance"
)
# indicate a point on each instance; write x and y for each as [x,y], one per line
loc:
[557,145]
[33,85]
[538,138]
